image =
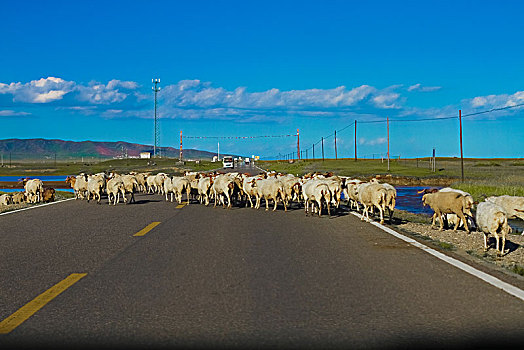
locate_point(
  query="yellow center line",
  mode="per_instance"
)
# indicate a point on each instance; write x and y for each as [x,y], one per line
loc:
[181,205]
[29,309]
[146,229]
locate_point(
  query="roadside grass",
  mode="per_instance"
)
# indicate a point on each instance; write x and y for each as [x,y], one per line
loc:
[59,195]
[484,188]
[518,269]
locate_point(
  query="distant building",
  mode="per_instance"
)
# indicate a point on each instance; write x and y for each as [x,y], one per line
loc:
[145,155]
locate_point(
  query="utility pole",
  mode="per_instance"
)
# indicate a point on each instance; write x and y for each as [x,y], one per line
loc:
[322,148]
[298,145]
[156,89]
[313,151]
[387,118]
[355,140]
[180,145]
[336,156]
[461,152]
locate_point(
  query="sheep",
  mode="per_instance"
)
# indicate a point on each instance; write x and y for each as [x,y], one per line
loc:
[19,197]
[168,188]
[48,195]
[447,202]
[181,185]
[249,189]
[352,192]
[223,186]
[150,181]
[114,187]
[316,191]
[450,218]
[130,185]
[372,195]
[204,188]
[390,198]
[270,188]
[492,218]
[79,185]
[158,181]
[95,186]
[34,189]
[513,205]
[141,179]
[6,199]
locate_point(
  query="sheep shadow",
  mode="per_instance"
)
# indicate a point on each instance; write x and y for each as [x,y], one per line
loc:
[508,248]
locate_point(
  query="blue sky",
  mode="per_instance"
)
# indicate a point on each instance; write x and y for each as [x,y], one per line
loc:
[82,71]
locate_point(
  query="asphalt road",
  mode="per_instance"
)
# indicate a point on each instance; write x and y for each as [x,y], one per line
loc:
[210,277]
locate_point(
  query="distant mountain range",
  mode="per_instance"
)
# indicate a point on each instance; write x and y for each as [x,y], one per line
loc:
[33,149]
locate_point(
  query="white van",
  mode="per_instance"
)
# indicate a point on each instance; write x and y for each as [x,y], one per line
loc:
[228,162]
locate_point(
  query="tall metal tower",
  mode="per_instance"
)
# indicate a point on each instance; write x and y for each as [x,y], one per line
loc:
[156,133]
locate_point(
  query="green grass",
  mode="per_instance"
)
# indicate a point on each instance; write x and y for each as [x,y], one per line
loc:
[348,167]
[446,246]
[518,270]
[156,165]
[474,169]
[481,189]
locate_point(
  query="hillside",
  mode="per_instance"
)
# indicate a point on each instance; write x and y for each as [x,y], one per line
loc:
[41,149]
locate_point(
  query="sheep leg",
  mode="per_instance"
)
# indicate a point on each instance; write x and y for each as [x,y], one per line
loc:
[485,242]
[381,215]
[463,218]
[433,221]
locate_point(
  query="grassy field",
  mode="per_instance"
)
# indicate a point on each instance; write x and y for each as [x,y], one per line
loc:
[157,165]
[481,176]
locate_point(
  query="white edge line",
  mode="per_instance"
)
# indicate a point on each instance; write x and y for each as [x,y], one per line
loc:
[508,288]
[35,206]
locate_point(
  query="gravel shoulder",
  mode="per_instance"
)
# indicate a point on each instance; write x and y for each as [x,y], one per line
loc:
[467,245]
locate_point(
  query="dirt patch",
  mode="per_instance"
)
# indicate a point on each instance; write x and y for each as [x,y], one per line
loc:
[414,181]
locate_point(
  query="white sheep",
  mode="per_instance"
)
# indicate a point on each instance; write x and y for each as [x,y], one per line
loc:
[372,195]
[114,188]
[315,190]
[513,205]
[5,199]
[492,218]
[34,189]
[269,189]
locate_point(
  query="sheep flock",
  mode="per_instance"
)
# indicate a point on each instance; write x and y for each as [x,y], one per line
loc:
[317,193]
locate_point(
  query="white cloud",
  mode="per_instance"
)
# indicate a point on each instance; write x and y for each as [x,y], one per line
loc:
[419,87]
[10,113]
[496,101]
[377,141]
[38,91]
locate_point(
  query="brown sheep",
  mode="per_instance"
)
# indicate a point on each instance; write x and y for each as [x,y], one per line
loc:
[447,203]
[49,195]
